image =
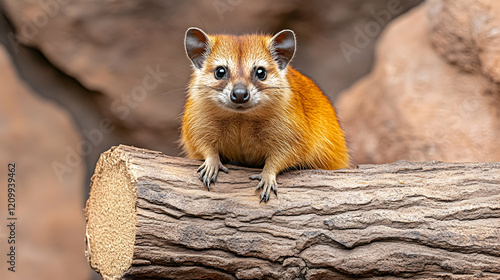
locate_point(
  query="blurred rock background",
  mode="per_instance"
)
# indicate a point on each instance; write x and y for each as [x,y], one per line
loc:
[80,76]
[434,91]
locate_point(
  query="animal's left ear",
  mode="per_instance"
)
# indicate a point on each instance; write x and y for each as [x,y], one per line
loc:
[283,47]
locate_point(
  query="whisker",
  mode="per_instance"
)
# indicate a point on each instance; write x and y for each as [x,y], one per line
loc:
[210,87]
[174,90]
[276,87]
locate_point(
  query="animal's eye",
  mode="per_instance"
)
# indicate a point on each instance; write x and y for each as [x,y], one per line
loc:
[220,72]
[261,73]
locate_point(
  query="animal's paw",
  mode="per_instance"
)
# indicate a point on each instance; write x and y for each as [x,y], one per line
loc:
[209,171]
[267,184]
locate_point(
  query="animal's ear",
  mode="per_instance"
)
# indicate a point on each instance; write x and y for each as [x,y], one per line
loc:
[196,44]
[283,47]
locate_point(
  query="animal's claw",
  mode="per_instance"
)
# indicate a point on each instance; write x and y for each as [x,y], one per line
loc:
[267,183]
[223,168]
[209,171]
[256,177]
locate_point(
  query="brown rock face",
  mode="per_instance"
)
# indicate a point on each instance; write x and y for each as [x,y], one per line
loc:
[432,94]
[132,51]
[49,229]
[466,34]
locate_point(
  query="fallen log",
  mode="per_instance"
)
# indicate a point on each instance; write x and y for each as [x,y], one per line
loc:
[148,216]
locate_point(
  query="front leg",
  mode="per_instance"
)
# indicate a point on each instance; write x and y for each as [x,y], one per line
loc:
[267,184]
[210,169]
[274,164]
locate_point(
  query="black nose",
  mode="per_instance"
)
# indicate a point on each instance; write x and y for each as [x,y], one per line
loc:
[240,94]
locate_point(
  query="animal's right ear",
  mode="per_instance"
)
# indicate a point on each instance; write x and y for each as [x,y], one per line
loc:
[196,44]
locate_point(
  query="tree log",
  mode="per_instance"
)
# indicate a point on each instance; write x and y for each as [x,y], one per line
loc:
[148,216]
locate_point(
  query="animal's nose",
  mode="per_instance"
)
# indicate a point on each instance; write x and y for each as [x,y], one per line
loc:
[240,94]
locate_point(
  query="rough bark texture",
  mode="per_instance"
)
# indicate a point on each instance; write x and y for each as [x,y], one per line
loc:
[428,220]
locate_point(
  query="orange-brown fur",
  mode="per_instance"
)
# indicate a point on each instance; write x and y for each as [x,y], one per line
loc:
[294,125]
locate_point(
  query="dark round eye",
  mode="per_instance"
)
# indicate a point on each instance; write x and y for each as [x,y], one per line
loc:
[220,72]
[261,73]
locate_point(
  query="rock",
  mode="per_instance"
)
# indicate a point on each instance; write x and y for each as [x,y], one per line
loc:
[432,92]
[50,229]
[466,33]
[112,46]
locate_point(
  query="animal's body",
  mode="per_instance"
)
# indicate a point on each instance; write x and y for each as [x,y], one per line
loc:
[246,104]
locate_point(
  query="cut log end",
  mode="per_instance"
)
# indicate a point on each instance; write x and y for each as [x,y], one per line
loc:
[111,216]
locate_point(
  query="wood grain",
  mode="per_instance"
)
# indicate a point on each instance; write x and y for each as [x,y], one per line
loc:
[428,220]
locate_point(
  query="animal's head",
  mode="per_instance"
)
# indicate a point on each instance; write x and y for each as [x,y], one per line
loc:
[240,73]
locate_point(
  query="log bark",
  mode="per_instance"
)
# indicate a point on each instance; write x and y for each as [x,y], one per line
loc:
[148,216]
